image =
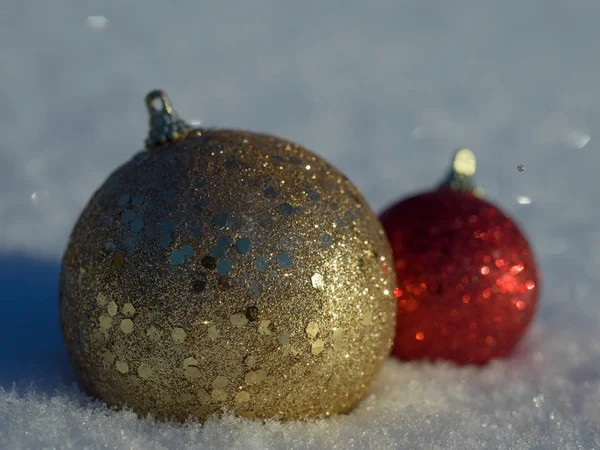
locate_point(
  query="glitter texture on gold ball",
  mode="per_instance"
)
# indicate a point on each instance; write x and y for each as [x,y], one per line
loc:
[224,270]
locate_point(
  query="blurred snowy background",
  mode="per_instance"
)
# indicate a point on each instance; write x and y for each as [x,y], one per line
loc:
[383,89]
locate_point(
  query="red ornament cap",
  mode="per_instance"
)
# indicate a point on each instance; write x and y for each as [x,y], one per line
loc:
[467,279]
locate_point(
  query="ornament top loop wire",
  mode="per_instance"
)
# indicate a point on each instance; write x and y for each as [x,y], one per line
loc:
[165,123]
[461,176]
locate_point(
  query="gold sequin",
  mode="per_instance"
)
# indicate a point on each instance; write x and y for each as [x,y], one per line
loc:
[153,333]
[122,366]
[178,334]
[242,397]
[263,327]
[109,357]
[128,310]
[219,395]
[144,371]
[220,382]
[98,336]
[317,281]
[334,380]
[256,376]
[191,361]
[112,308]
[338,340]
[318,346]
[312,329]
[284,337]
[101,298]
[213,333]
[203,396]
[105,322]
[239,320]
[192,373]
[126,326]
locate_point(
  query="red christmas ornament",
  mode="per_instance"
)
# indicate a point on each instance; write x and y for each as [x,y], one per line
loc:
[467,280]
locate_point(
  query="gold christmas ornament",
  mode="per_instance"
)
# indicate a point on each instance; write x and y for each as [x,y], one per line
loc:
[226,270]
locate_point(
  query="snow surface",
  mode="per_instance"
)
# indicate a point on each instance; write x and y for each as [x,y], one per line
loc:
[383,89]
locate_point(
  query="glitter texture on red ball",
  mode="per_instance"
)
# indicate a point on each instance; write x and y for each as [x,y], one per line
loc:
[467,279]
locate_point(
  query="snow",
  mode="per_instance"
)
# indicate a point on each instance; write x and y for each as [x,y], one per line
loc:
[386,90]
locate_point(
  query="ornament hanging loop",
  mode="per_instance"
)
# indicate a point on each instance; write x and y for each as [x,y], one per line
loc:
[165,123]
[461,176]
[157,101]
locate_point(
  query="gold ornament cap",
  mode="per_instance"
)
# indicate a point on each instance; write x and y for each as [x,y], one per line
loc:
[165,123]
